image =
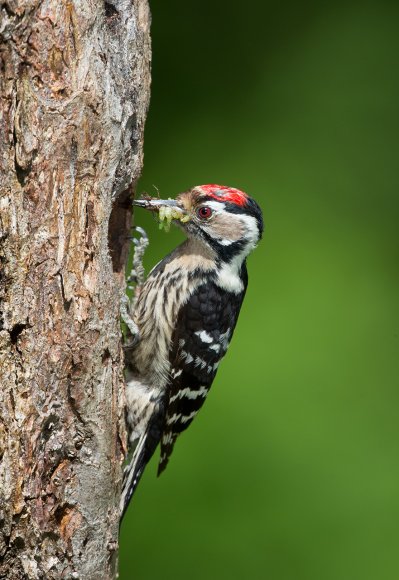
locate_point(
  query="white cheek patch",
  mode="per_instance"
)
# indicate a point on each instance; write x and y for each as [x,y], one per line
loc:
[252,229]
[246,224]
[229,278]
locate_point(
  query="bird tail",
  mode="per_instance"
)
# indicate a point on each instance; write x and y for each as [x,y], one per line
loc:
[132,474]
[142,454]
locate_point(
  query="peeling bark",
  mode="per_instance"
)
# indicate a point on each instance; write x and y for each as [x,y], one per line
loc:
[74,89]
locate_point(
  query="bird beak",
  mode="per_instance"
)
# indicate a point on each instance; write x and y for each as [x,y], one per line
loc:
[168,210]
[155,204]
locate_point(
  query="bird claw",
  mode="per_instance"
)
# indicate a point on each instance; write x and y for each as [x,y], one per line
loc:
[124,309]
[130,344]
[144,237]
[141,231]
[137,277]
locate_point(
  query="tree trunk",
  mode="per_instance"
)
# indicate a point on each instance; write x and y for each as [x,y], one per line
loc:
[74,91]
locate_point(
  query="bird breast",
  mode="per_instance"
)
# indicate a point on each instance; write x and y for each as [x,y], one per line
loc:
[167,288]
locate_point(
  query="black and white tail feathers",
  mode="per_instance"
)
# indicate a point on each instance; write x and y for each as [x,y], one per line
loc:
[132,474]
[142,454]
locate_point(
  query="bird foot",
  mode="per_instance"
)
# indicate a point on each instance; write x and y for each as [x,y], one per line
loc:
[134,281]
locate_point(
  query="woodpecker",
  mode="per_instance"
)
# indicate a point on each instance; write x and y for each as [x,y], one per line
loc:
[184,316]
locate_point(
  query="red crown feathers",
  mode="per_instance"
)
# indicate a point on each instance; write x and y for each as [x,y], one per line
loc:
[223,193]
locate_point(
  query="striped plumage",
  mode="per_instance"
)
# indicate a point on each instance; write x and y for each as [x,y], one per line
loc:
[186,313]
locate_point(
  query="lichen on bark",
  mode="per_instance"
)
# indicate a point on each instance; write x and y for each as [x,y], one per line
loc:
[74,90]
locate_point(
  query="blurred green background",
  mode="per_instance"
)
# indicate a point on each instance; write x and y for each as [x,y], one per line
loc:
[290,471]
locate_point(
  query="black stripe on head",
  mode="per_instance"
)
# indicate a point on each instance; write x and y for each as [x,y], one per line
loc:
[225,253]
[250,208]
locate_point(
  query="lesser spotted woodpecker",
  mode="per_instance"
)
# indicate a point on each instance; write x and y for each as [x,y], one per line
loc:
[185,313]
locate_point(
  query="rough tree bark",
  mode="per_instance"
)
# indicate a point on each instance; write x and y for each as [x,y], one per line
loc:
[74,91]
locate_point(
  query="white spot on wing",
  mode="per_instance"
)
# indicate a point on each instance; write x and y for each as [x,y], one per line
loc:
[225,338]
[189,417]
[190,394]
[215,347]
[168,438]
[204,336]
[186,356]
[182,418]
[200,362]
[173,419]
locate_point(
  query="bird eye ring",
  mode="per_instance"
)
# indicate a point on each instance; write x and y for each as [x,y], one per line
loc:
[204,212]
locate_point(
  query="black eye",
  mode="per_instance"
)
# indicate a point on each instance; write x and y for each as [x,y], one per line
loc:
[204,212]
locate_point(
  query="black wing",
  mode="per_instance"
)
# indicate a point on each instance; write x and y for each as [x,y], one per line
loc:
[204,328]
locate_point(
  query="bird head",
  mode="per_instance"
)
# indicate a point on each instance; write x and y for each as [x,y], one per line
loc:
[223,218]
